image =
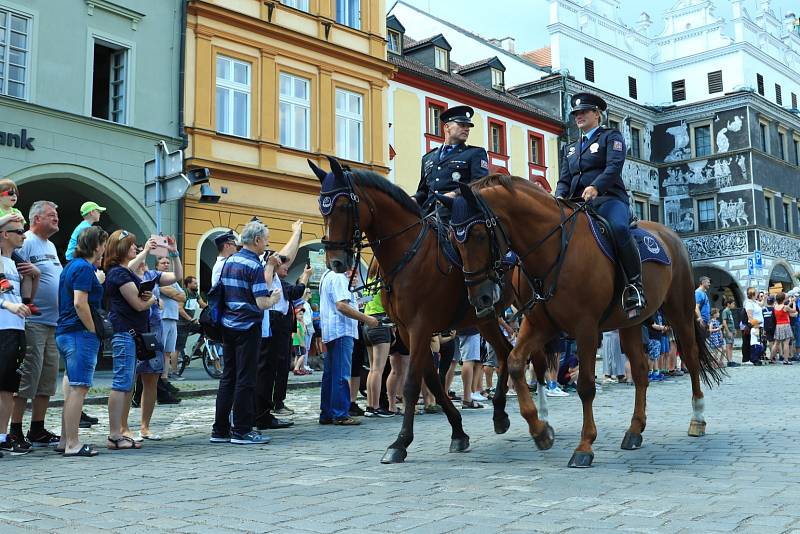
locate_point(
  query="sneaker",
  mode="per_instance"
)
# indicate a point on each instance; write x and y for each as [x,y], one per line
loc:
[734,364]
[89,419]
[169,400]
[175,376]
[45,438]
[476,396]
[355,410]
[283,410]
[15,447]
[556,391]
[384,413]
[369,411]
[217,437]
[452,396]
[253,437]
[609,380]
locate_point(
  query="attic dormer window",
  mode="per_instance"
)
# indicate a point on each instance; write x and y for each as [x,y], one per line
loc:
[395,42]
[497,80]
[440,59]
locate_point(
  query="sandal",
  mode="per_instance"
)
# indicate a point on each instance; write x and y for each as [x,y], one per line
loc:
[473,404]
[347,421]
[86,451]
[114,444]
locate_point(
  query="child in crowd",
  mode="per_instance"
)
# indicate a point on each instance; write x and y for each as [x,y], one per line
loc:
[9,194]
[299,343]
[715,336]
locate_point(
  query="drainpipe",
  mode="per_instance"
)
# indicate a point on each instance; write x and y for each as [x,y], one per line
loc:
[181,124]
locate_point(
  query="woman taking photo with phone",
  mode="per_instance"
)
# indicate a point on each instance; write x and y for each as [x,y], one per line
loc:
[129,311]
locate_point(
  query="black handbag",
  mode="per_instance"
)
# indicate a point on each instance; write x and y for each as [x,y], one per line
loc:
[146,344]
[102,324]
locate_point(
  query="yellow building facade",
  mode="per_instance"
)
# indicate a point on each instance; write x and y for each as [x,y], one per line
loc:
[269,85]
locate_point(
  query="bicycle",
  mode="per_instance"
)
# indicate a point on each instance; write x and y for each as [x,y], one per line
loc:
[206,350]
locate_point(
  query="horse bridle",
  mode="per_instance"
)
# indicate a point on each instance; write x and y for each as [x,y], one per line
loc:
[493,270]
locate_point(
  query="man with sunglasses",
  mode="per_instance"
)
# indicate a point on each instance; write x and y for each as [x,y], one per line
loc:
[226,247]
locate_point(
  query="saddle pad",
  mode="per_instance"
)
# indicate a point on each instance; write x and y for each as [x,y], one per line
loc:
[649,247]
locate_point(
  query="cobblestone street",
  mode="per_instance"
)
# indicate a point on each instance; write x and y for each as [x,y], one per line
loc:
[741,477]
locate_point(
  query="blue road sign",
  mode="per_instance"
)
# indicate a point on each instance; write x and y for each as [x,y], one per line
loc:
[750,267]
[759,260]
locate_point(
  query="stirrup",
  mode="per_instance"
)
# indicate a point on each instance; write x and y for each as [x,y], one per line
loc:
[633,309]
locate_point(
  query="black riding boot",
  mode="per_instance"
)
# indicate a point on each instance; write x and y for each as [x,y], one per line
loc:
[633,294]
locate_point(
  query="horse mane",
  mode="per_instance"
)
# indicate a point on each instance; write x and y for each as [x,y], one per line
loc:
[510,183]
[376,181]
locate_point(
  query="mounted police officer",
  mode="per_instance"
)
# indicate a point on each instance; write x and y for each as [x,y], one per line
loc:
[453,162]
[591,168]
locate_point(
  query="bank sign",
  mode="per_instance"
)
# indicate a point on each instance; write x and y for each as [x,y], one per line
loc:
[20,140]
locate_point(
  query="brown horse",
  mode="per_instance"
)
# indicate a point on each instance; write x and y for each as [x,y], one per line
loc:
[576,293]
[422,293]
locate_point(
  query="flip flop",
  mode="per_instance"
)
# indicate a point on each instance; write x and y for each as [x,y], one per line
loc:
[86,451]
[151,437]
[471,405]
[114,444]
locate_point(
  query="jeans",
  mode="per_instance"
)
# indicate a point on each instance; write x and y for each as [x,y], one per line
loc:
[335,396]
[273,372]
[236,389]
[123,349]
[618,215]
[79,351]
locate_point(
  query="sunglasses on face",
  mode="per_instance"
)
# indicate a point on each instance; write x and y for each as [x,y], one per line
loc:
[18,232]
[123,234]
[8,194]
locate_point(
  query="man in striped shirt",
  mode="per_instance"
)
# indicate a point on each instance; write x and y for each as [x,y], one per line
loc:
[246,296]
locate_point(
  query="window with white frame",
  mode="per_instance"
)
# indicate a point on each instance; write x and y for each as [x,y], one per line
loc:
[110,82]
[295,110]
[440,58]
[348,12]
[349,125]
[233,96]
[15,48]
[497,79]
[707,214]
[297,4]
[394,42]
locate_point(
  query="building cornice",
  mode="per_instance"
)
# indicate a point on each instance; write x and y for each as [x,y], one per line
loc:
[593,43]
[133,16]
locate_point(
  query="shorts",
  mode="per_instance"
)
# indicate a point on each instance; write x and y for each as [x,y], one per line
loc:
[470,348]
[379,334]
[169,334]
[654,349]
[79,351]
[298,350]
[12,351]
[40,366]
[665,344]
[491,357]
[123,352]
[398,347]
[728,339]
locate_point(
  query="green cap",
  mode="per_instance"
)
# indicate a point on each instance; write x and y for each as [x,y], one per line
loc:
[86,207]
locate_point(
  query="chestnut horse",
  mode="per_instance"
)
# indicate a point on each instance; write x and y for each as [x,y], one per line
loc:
[422,293]
[576,293]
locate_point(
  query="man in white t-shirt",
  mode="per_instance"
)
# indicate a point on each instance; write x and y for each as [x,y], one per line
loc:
[226,247]
[751,348]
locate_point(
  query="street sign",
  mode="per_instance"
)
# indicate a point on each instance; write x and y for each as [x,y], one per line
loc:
[172,165]
[751,271]
[759,260]
[171,189]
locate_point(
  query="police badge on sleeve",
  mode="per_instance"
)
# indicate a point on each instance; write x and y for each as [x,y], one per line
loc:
[617,146]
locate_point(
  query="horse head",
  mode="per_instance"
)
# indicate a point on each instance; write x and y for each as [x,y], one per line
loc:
[338,204]
[478,239]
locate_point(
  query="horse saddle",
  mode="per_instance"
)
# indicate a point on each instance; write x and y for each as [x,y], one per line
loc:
[649,247]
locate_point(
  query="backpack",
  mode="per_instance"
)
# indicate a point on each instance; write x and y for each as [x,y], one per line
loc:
[211,317]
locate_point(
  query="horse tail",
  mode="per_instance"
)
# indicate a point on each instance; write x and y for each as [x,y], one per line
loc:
[709,372]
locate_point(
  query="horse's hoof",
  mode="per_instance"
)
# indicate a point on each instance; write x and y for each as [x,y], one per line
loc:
[501,426]
[394,456]
[459,444]
[631,441]
[697,429]
[545,440]
[581,459]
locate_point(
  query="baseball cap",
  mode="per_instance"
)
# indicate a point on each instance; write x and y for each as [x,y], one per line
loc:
[86,207]
[771,299]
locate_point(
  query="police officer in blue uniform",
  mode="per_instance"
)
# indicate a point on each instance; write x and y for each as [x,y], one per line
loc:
[591,168]
[453,162]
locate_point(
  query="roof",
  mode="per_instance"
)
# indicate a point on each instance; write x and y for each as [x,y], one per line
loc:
[459,82]
[436,40]
[488,62]
[540,56]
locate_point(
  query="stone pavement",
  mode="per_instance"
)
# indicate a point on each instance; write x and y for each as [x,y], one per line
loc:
[742,476]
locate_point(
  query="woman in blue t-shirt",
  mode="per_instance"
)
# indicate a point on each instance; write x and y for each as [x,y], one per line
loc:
[129,312]
[79,292]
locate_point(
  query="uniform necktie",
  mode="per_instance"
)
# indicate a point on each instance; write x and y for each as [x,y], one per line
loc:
[583,142]
[445,151]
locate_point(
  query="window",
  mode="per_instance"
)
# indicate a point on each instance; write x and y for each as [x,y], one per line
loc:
[497,79]
[348,12]
[395,42]
[295,109]
[588,68]
[349,125]
[787,221]
[707,215]
[768,219]
[434,122]
[796,151]
[632,92]
[715,82]
[762,128]
[535,149]
[297,4]
[702,141]
[233,96]
[109,82]
[654,212]
[440,58]
[778,95]
[635,142]
[678,90]
[497,137]
[760,84]
[794,101]
[14,49]
[614,125]
[638,209]
[782,145]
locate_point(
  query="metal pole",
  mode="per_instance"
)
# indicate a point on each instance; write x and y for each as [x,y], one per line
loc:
[158,188]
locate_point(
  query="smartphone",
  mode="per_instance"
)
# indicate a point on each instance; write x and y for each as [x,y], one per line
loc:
[147,285]
[161,245]
[308,263]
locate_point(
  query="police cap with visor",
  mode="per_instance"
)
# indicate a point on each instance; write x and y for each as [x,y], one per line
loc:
[587,101]
[459,114]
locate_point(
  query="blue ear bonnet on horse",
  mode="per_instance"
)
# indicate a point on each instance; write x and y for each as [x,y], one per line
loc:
[463,216]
